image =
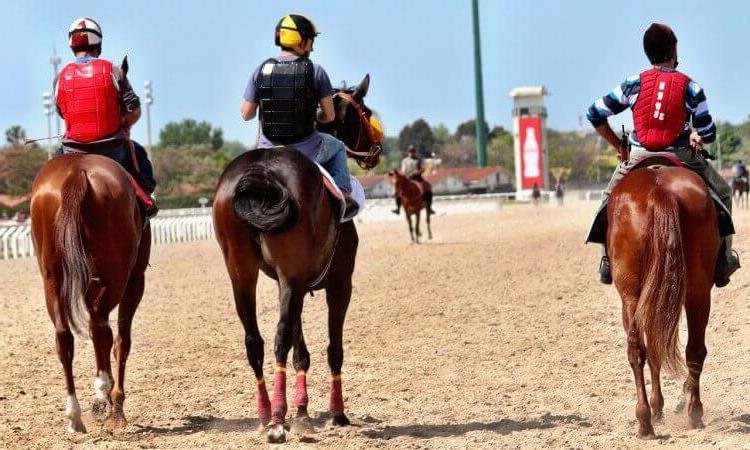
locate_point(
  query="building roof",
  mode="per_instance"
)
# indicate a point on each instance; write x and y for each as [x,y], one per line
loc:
[528,91]
[465,174]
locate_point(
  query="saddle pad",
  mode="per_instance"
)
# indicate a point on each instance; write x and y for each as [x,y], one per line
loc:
[358,193]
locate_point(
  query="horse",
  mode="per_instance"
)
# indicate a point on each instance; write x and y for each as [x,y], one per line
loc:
[411,192]
[272,213]
[92,244]
[663,242]
[741,190]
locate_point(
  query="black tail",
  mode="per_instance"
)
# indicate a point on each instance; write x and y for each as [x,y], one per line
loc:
[264,202]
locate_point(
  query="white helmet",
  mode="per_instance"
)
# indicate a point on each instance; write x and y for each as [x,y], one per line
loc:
[84,33]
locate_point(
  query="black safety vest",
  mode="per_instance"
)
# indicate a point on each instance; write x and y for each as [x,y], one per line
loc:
[288,100]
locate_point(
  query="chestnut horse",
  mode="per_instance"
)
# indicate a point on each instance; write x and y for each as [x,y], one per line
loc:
[411,193]
[273,213]
[663,241]
[93,249]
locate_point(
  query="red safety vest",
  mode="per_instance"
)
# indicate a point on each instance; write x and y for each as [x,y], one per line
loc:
[89,100]
[659,113]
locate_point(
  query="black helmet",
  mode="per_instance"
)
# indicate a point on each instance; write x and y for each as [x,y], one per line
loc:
[292,29]
[659,43]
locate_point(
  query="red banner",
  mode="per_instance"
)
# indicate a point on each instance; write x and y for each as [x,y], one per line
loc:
[532,162]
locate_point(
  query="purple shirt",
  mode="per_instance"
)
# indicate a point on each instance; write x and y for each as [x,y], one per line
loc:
[310,144]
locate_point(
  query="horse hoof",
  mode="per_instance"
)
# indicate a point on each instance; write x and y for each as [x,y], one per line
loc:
[100,409]
[277,434]
[115,422]
[76,427]
[695,423]
[646,433]
[341,420]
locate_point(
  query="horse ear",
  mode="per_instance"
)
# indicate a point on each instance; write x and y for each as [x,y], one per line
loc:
[124,66]
[362,88]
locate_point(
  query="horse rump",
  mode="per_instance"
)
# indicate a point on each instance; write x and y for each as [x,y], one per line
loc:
[663,294]
[263,201]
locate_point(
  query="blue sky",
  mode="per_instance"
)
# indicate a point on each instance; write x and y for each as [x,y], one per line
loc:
[199,54]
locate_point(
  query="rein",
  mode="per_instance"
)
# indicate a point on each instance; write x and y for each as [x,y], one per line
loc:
[366,159]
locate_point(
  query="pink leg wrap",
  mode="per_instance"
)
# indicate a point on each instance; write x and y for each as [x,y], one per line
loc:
[264,404]
[300,391]
[278,405]
[336,404]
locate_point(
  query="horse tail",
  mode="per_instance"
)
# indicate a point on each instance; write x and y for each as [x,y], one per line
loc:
[263,201]
[69,240]
[663,295]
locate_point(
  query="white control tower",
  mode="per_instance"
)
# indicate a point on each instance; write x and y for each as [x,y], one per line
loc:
[530,138]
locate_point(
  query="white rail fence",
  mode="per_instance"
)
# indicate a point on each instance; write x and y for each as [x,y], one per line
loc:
[15,240]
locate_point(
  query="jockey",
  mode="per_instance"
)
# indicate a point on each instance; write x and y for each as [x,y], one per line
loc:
[99,106]
[664,103]
[412,167]
[288,89]
[740,170]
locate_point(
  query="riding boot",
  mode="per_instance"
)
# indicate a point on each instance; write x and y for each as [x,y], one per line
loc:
[351,207]
[428,202]
[605,273]
[397,211]
[727,264]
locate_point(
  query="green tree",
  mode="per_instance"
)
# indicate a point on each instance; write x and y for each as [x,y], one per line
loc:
[18,167]
[441,133]
[468,129]
[188,170]
[189,132]
[15,135]
[234,148]
[500,152]
[419,134]
[729,140]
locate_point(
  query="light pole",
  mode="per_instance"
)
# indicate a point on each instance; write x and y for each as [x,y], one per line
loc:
[55,61]
[479,123]
[48,107]
[149,101]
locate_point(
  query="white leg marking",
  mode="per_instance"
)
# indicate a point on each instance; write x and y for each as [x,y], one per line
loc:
[73,413]
[102,385]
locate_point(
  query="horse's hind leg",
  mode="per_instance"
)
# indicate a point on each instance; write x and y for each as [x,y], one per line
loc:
[419,232]
[65,345]
[101,334]
[291,295]
[244,282]
[411,230]
[301,359]
[429,226]
[338,295]
[697,312]
[636,358]
[128,305]
[657,399]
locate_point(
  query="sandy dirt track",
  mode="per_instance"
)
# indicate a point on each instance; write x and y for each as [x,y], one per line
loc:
[496,333]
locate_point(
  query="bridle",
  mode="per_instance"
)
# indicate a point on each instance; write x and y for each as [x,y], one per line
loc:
[367,158]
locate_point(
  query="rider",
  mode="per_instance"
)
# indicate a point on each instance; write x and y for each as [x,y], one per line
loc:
[412,167]
[740,170]
[99,106]
[289,89]
[664,103]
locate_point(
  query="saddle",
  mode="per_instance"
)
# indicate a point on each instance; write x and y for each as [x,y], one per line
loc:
[358,194]
[598,231]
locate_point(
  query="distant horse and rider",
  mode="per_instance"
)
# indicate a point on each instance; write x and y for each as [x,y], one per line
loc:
[413,193]
[740,185]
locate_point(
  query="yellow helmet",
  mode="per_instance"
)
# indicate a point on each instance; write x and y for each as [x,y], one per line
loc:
[292,29]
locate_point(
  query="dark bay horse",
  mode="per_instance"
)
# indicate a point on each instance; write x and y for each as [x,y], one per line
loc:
[411,193]
[663,241]
[741,191]
[272,213]
[93,249]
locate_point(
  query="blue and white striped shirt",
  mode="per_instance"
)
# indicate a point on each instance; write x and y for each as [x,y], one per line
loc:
[624,96]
